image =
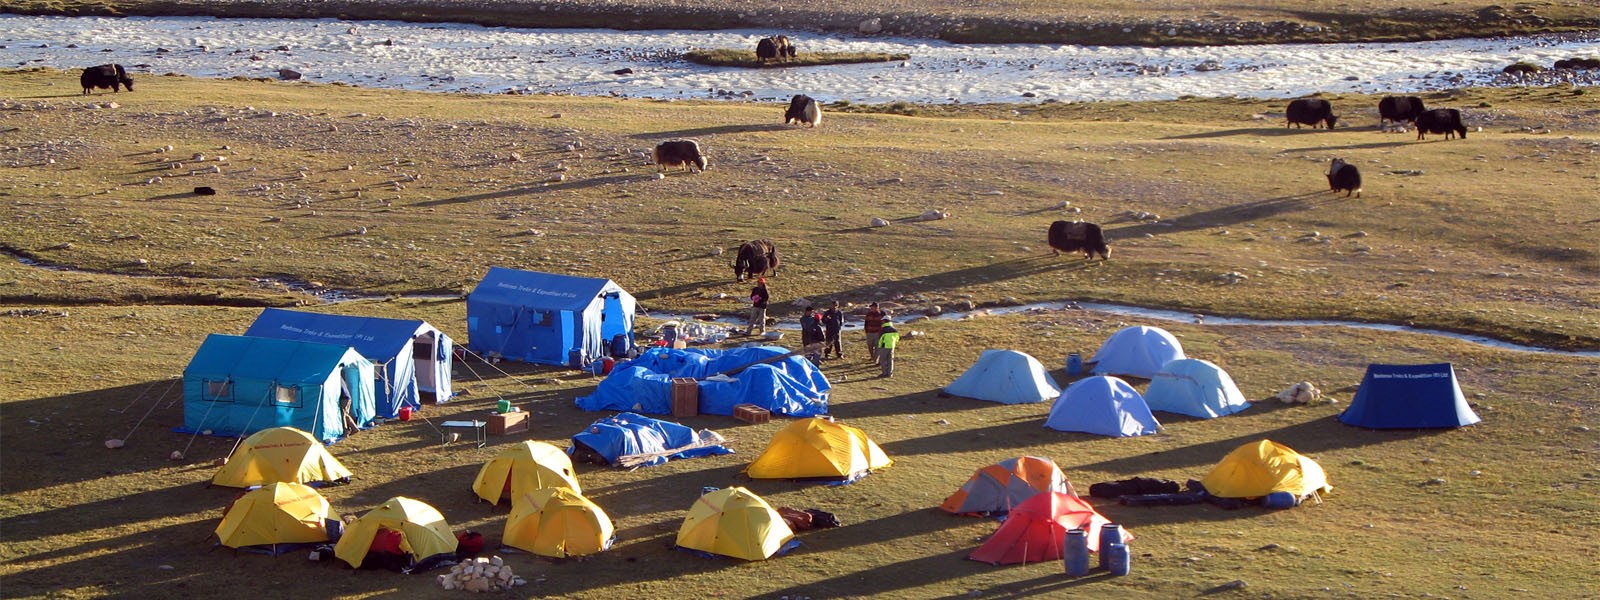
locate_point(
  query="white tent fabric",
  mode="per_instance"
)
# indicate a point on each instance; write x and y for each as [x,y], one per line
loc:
[1137,351]
[1194,387]
[1007,377]
[1104,406]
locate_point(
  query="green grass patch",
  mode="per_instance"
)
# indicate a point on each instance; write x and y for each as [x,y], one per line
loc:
[726,57]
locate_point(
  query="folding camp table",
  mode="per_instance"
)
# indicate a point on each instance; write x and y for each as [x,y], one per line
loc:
[479,430]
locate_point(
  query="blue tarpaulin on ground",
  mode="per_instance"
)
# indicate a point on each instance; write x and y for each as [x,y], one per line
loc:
[787,386]
[629,434]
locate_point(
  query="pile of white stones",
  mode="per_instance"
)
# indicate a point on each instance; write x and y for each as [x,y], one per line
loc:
[481,575]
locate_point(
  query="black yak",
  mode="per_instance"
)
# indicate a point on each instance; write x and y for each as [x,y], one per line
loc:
[774,47]
[803,109]
[1398,109]
[1311,111]
[679,153]
[1343,176]
[1078,236]
[756,258]
[1441,120]
[106,77]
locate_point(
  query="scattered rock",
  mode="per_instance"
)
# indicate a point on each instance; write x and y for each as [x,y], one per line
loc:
[870,26]
[289,74]
[115,443]
[1208,65]
[877,222]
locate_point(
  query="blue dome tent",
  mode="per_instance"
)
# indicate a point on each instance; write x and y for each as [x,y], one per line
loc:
[1104,406]
[1137,351]
[1194,387]
[1007,377]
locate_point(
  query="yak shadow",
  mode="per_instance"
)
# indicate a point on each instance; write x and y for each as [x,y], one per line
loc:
[1366,146]
[535,189]
[1227,215]
[699,131]
[689,258]
[1264,131]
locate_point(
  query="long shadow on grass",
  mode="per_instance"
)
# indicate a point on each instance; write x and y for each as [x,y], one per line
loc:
[1227,215]
[1367,146]
[699,131]
[1262,131]
[1015,432]
[889,579]
[930,401]
[677,290]
[60,440]
[119,510]
[1311,437]
[1015,268]
[535,189]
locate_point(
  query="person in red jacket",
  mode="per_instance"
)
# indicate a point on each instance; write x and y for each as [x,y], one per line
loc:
[873,327]
[758,307]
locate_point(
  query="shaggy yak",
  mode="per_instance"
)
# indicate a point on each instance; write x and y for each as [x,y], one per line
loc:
[756,258]
[1343,176]
[1078,236]
[106,77]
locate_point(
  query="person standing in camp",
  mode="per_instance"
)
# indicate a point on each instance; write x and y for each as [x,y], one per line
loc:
[832,323]
[873,326]
[888,338]
[810,327]
[758,307]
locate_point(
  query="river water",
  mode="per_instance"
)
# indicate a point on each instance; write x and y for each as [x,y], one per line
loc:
[476,59]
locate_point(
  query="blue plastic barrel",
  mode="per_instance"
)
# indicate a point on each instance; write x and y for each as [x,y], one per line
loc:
[1074,363]
[1280,500]
[1117,558]
[1110,533]
[1075,552]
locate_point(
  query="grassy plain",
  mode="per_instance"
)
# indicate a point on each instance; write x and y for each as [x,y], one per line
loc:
[385,192]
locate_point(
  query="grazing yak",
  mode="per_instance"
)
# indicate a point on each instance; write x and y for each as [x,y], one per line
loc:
[679,153]
[803,109]
[1311,111]
[1399,109]
[106,77]
[774,47]
[1441,120]
[756,258]
[1343,176]
[1078,236]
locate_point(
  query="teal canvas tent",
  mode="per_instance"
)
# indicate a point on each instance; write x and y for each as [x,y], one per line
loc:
[238,385]
[1007,377]
[1194,387]
[412,358]
[549,319]
[1409,397]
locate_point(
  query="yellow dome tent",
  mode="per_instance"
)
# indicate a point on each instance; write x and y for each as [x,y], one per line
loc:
[557,522]
[276,513]
[1260,468]
[279,454]
[818,447]
[424,531]
[734,522]
[523,468]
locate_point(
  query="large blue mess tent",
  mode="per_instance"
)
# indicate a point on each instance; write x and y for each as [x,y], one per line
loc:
[629,434]
[1409,397]
[238,385]
[412,358]
[788,385]
[548,319]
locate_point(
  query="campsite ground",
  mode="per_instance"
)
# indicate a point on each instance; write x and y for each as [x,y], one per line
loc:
[387,192]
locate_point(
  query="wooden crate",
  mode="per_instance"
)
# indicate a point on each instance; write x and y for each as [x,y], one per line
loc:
[751,413]
[685,397]
[511,422]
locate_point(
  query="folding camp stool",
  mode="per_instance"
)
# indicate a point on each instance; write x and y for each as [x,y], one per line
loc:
[479,431]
